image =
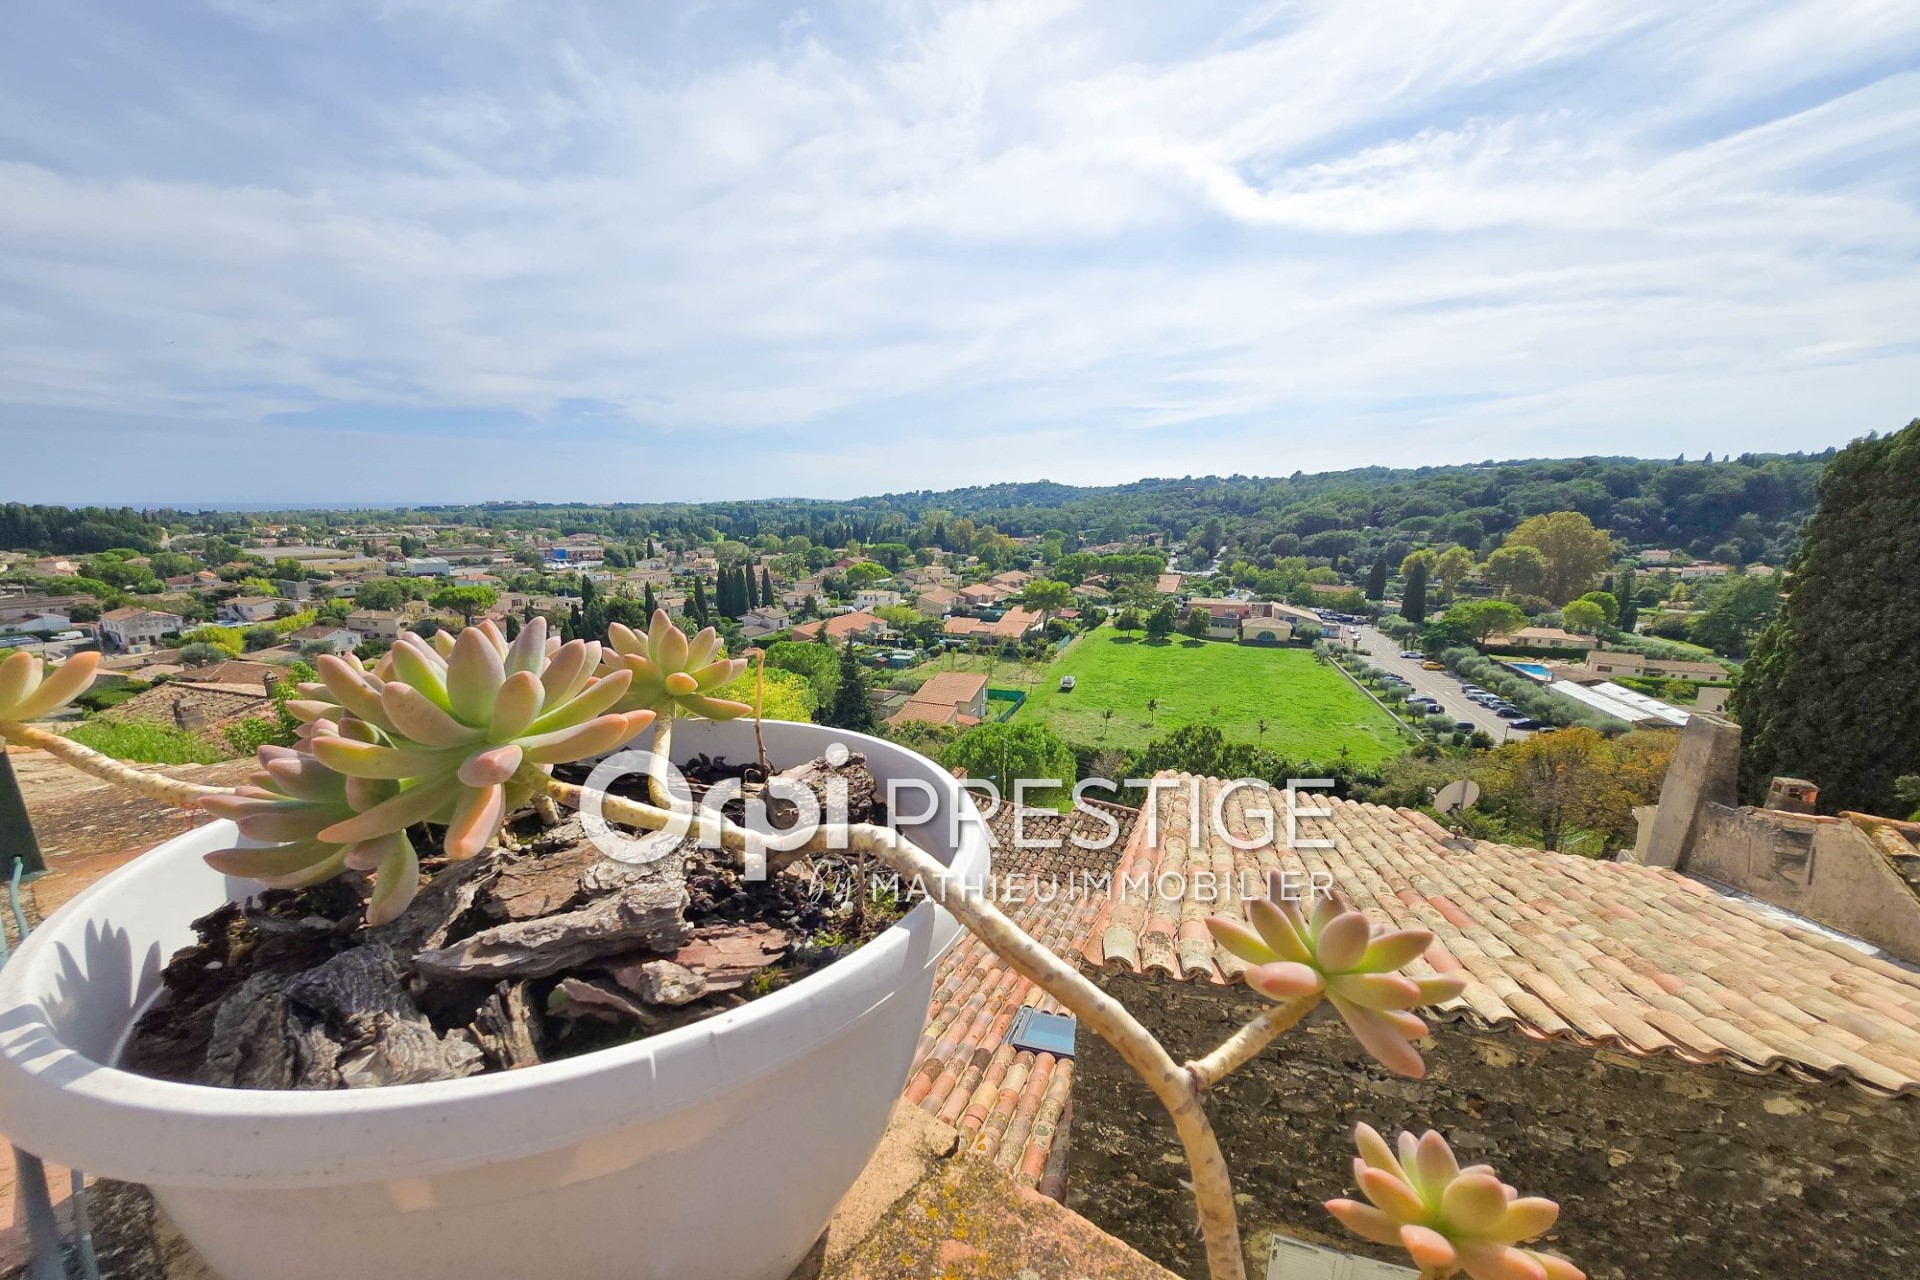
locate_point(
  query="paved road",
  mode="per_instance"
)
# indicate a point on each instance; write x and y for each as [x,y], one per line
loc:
[1383,651]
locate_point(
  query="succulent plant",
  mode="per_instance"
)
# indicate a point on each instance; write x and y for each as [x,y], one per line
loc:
[289,800]
[30,689]
[672,674]
[1339,954]
[1447,1218]
[436,732]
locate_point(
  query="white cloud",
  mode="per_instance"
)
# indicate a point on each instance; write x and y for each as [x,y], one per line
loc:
[901,245]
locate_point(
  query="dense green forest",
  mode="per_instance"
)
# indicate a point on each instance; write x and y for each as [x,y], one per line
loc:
[1741,509]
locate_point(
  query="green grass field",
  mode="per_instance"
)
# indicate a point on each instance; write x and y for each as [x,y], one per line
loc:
[1310,711]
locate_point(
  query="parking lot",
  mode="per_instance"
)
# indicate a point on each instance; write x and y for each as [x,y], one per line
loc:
[1383,651]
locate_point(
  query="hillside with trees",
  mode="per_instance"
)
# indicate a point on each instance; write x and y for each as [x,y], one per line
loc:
[1738,510]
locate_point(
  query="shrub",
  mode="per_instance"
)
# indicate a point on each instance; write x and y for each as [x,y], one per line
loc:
[200,654]
[146,742]
[225,639]
[100,697]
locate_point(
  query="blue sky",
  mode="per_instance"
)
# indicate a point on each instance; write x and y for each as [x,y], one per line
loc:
[378,250]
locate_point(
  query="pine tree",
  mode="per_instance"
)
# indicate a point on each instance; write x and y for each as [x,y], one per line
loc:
[1830,691]
[852,709]
[1413,601]
[1377,579]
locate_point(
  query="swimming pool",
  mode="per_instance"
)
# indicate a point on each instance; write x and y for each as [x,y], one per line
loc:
[1538,670]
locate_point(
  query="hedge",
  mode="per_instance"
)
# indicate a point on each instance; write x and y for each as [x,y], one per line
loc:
[1528,695]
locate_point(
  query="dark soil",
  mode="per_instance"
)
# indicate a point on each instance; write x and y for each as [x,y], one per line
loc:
[525,954]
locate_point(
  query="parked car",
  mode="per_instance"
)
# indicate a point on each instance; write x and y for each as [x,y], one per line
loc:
[1410,653]
[1464,726]
[1509,713]
[1527,724]
[1434,666]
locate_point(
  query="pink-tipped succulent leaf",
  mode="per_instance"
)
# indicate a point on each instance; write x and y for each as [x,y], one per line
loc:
[30,689]
[1337,952]
[436,733]
[1449,1219]
[672,673]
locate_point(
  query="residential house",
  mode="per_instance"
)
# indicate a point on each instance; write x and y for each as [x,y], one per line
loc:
[764,621]
[1614,663]
[16,608]
[983,595]
[56,567]
[294,588]
[1013,581]
[39,624]
[336,637]
[875,598]
[936,602]
[377,624]
[842,627]
[952,697]
[1656,557]
[1540,638]
[1223,615]
[133,629]
[798,593]
[245,609]
[1690,572]
[1014,624]
[1167,584]
[428,567]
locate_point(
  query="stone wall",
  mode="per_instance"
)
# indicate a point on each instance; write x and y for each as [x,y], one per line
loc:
[1826,869]
[1665,1170]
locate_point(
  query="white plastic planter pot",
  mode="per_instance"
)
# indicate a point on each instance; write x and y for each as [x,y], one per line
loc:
[714,1152]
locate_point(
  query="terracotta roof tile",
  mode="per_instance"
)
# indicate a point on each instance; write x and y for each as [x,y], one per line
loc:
[1012,1106]
[1635,958]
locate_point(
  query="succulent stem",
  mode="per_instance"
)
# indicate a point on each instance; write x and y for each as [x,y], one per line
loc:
[1241,1047]
[662,752]
[158,786]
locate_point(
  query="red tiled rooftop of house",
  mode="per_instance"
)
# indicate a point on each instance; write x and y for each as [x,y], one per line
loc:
[1630,957]
[1012,1106]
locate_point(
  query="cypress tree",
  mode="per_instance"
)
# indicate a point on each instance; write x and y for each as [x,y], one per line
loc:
[699,603]
[652,602]
[852,709]
[1377,579]
[1623,592]
[1413,601]
[766,588]
[1830,691]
